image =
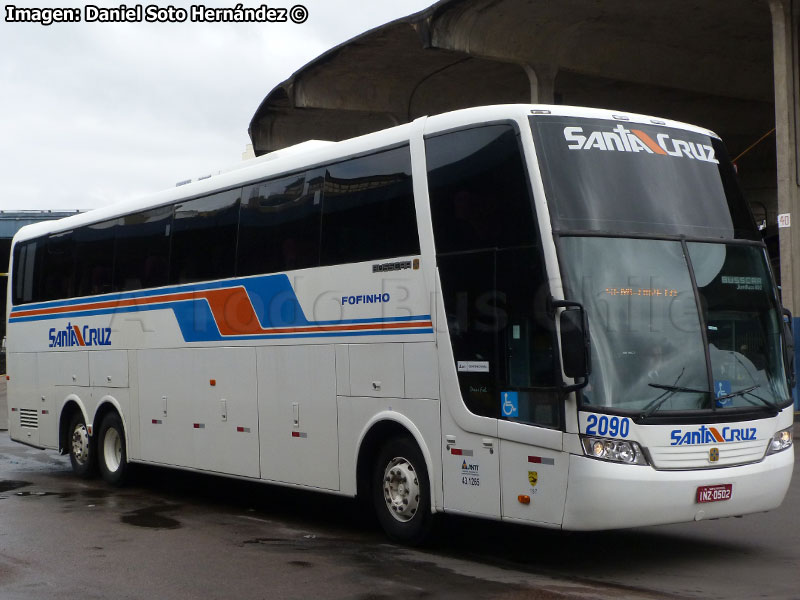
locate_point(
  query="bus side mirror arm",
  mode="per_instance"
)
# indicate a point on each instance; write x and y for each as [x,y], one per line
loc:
[788,348]
[575,354]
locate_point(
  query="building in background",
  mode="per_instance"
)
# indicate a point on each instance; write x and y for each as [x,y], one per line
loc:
[10,222]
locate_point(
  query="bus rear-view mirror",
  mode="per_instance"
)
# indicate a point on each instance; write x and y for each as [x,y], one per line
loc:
[575,343]
[788,347]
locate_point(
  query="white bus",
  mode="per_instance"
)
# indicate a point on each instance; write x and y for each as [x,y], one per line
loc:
[542,314]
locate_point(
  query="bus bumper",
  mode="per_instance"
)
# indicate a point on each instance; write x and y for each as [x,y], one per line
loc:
[604,495]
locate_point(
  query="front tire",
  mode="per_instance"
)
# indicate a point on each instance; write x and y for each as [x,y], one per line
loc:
[112,454]
[81,448]
[401,492]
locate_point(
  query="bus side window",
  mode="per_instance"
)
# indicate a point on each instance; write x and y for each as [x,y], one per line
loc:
[95,258]
[204,238]
[59,265]
[279,224]
[490,262]
[478,190]
[25,255]
[141,251]
[368,209]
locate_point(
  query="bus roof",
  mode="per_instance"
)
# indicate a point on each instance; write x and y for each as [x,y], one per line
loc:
[316,152]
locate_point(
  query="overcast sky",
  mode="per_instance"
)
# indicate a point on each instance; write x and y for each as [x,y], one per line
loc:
[95,113]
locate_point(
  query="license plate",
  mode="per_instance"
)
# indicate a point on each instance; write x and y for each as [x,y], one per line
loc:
[714,493]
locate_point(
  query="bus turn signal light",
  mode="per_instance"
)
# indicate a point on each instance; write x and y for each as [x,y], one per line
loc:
[524,499]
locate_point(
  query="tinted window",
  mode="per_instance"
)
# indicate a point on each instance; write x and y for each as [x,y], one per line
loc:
[58,268]
[496,306]
[94,254]
[494,282]
[279,224]
[617,177]
[478,190]
[368,209]
[204,238]
[24,286]
[142,250]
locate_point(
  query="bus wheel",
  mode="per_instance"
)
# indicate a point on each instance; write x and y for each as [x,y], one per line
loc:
[113,458]
[401,492]
[81,448]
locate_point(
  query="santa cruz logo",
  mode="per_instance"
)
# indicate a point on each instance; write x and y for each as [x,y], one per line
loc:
[73,335]
[711,435]
[621,139]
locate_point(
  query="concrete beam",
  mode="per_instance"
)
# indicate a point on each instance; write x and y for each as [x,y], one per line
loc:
[716,47]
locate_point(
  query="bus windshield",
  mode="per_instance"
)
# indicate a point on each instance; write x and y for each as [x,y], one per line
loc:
[654,240]
[648,344]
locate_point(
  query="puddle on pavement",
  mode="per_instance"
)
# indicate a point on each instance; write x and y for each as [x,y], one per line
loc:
[9,485]
[37,494]
[392,565]
[149,517]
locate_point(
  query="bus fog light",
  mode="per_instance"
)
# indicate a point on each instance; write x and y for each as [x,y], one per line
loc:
[621,451]
[781,440]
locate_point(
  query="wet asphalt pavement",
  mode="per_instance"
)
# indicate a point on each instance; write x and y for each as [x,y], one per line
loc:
[179,535]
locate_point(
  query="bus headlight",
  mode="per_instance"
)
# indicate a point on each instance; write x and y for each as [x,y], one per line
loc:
[781,441]
[614,450]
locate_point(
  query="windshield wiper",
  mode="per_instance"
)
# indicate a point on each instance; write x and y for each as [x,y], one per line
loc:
[670,390]
[750,392]
[675,388]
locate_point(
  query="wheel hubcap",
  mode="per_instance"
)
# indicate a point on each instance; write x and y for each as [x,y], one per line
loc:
[112,450]
[80,444]
[401,489]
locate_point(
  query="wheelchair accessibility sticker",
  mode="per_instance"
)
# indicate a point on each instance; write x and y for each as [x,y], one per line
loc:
[509,406]
[722,390]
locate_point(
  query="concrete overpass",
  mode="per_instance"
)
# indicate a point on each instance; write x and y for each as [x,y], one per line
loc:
[730,65]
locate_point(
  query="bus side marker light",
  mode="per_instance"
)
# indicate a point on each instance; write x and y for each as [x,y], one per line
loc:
[8,377]
[243,429]
[460,452]
[157,421]
[212,382]
[299,434]
[199,426]
[524,499]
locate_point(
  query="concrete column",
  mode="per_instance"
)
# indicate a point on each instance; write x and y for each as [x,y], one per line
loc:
[542,78]
[786,62]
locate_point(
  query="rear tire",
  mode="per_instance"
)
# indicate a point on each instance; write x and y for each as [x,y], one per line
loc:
[112,454]
[401,492]
[82,453]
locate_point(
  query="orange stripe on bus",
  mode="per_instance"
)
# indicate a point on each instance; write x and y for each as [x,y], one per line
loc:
[107,304]
[232,310]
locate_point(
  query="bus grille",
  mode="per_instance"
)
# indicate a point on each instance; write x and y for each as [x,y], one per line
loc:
[29,417]
[699,457]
